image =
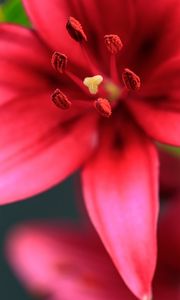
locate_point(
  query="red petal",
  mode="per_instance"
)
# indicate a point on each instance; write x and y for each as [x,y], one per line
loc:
[156,37]
[68,263]
[164,81]
[24,62]
[40,145]
[94,16]
[120,188]
[53,28]
[158,120]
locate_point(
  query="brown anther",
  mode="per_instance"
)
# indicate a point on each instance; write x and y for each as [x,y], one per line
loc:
[75,30]
[131,80]
[113,43]
[60,100]
[103,107]
[59,62]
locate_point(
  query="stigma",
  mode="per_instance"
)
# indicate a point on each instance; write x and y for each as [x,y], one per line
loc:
[92,83]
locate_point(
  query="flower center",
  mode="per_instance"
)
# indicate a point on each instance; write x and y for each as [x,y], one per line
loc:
[108,90]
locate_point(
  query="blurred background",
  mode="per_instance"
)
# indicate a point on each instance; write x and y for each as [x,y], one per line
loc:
[57,203]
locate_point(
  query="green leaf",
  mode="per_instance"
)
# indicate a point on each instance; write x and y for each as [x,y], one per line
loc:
[172,150]
[13,11]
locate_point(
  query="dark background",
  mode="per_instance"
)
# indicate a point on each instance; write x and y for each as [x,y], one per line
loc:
[57,203]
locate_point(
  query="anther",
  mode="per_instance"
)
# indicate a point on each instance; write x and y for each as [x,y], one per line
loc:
[93,83]
[60,100]
[75,30]
[59,62]
[113,43]
[131,80]
[103,107]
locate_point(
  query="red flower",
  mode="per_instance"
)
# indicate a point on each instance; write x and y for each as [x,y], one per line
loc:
[41,144]
[56,262]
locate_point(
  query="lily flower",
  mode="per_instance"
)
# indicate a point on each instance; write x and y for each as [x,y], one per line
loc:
[111,90]
[57,262]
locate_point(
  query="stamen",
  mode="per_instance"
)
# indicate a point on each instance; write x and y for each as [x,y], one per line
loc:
[131,80]
[113,43]
[93,83]
[113,69]
[77,33]
[60,100]
[103,107]
[59,62]
[75,30]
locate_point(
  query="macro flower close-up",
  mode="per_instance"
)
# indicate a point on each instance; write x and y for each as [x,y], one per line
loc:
[93,86]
